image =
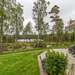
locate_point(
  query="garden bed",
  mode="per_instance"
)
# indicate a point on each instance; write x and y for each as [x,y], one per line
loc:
[69,69]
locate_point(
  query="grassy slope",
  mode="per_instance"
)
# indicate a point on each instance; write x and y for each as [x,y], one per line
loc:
[24,63]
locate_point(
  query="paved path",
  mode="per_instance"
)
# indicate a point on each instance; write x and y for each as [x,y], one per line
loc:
[71,59]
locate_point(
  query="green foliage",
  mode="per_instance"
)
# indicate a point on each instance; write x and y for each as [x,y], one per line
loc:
[55,9]
[62,45]
[58,26]
[18,45]
[14,46]
[39,14]
[2,48]
[55,63]
[28,29]
[11,18]
[41,44]
[8,39]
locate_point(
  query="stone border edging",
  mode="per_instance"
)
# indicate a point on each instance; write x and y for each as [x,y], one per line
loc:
[42,72]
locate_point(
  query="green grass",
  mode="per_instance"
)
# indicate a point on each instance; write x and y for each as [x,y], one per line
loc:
[23,63]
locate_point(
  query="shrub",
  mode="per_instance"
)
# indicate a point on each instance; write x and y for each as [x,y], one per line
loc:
[16,45]
[19,45]
[2,47]
[55,63]
[41,44]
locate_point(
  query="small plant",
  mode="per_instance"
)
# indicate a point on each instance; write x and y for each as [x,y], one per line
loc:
[55,63]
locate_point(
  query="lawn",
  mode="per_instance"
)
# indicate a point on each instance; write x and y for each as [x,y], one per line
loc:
[23,63]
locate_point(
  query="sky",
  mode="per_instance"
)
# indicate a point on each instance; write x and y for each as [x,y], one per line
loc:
[67,8]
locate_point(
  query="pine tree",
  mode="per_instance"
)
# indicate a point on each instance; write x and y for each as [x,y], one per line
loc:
[28,29]
[58,22]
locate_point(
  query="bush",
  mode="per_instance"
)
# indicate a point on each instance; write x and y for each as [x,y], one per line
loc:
[18,45]
[41,44]
[55,63]
[2,47]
